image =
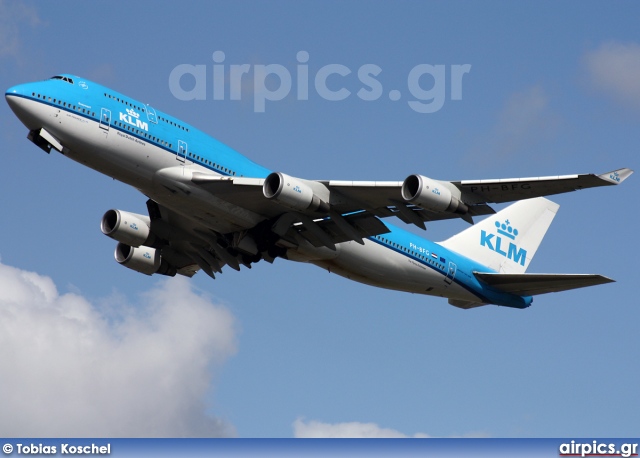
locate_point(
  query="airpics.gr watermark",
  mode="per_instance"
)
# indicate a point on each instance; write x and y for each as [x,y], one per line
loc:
[596,448]
[427,83]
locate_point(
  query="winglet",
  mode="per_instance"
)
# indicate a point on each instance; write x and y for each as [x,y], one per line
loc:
[616,176]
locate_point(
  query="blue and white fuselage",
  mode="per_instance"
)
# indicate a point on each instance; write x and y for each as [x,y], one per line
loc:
[211,206]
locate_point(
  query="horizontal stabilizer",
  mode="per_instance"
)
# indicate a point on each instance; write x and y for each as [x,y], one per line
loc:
[533,284]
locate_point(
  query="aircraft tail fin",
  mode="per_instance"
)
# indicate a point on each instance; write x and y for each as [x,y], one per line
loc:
[507,241]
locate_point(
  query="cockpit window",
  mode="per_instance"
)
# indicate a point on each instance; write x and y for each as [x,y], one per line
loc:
[63,78]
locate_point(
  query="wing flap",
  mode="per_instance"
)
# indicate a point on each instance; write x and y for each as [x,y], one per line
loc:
[366,224]
[533,284]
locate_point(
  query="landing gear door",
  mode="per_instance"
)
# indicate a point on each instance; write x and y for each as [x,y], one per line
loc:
[182,151]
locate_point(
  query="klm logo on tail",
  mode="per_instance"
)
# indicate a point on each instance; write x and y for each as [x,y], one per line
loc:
[496,242]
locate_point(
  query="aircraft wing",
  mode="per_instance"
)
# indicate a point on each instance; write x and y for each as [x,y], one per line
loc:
[507,190]
[413,205]
[377,198]
[474,192]
[268,221]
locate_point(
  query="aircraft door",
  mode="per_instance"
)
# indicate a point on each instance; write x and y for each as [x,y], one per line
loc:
[105,119]
[182,151]
[151,115]
[451,273]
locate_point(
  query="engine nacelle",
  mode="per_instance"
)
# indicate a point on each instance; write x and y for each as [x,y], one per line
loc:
[143,259]
[293,193]
[432,195]
[129,228]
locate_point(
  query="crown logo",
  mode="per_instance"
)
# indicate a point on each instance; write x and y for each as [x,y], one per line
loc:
[132,112]
[506,229]
[615,176]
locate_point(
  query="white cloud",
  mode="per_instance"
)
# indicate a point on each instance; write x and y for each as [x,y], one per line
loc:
[525,121]
[522,112]
[72,368]
[614,68]
[12,16]
[316,429]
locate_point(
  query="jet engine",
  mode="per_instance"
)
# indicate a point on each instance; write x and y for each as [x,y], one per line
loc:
[432,195]
[143,259]
[129,228]
[293,192]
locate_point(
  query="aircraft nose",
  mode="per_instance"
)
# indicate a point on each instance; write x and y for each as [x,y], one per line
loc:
[13,94]
[15,90]
[18,100]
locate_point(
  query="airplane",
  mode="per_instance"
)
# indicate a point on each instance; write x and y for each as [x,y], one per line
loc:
[211,207]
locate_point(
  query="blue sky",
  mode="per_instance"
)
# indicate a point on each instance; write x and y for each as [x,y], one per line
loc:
[287,349]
